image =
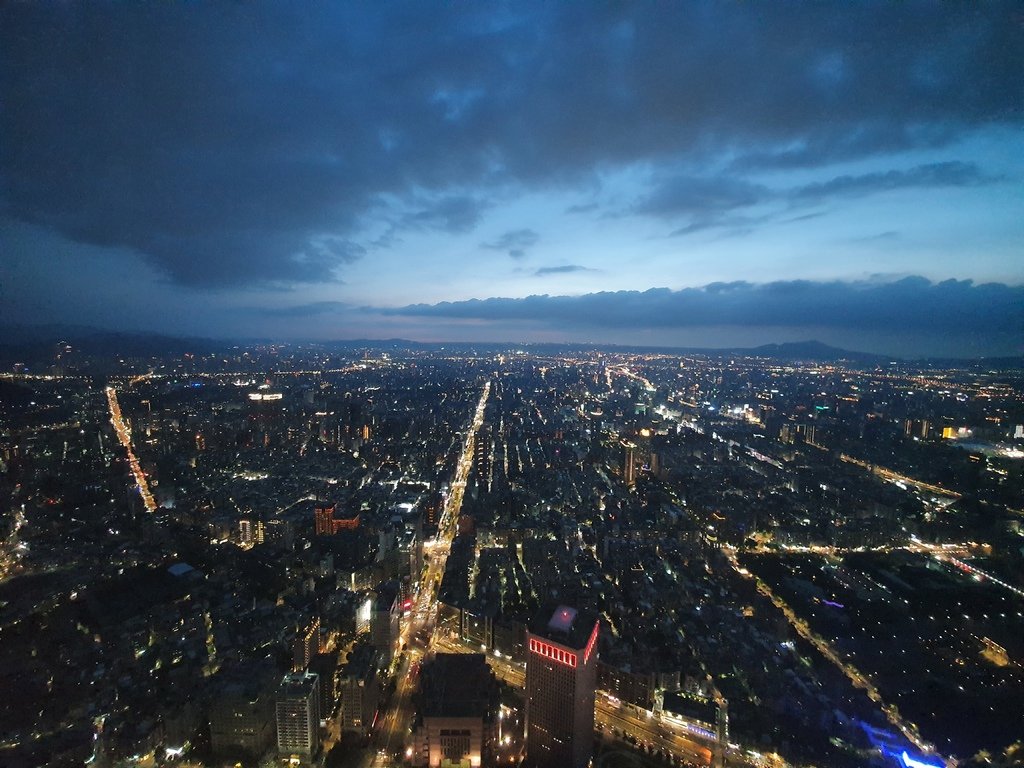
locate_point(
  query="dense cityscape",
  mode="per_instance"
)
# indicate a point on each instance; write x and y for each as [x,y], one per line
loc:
[398,555]
[541,384]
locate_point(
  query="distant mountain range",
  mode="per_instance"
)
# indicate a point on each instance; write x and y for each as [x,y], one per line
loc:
[810,350]
[36,344]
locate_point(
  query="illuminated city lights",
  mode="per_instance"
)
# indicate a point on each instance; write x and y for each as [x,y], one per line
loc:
[124,436]
[911,762]
[551,652]
[359,486]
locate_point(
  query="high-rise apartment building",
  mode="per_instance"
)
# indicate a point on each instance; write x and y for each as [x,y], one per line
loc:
[306,644]
[359,691]
[629,451]
[430,513]
[245,532]
[242,716]
[561,675]
[325,523]
[298,718]
[482,457]
[323,518]
[385,620]
[325,666]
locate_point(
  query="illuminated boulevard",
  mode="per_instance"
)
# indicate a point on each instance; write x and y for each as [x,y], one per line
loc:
[124,435]
[896,477]
[614,720]
[11,547]
[389,741]
[908,729]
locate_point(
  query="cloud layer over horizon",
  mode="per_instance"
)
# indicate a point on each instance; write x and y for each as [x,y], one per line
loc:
[291,156]
[911,303]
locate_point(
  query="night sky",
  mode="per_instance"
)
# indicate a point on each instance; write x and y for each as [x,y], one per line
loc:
[699,174]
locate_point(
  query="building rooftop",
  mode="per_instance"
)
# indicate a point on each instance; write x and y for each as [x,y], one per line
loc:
[297,684]
[457,685]
[180,569]
[564,625]
[562,619]
[693,707]
[361,662]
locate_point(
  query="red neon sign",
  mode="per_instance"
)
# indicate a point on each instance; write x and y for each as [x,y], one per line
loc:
[591,643]
[553,653]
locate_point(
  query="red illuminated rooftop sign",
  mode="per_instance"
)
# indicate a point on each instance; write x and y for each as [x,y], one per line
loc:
[551,652]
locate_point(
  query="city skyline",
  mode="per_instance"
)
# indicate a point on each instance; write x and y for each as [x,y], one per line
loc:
[283,555]
[706,176]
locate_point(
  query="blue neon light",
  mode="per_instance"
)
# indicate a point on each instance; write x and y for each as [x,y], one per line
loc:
[910,762]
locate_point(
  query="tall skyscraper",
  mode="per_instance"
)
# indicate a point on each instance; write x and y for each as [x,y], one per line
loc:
[306,644]
[242,714]
[325,524]
[323,518]
[561,675]
[482,457]
[325,666]
[245,532]
[359,691]
[430,513]
[385,620]
[298,718]
[629,462]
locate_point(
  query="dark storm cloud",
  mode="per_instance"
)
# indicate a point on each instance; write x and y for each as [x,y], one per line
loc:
[866,138]
[227,141]
[700,197]
[910,304]
[515,242]
[338,249]
[562,270]
[950,174]
[714,202]
[725,203]
[454,214]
